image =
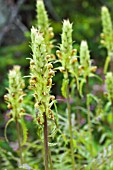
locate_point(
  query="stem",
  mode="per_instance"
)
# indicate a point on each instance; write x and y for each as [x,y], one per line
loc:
[70,129]
[87,85]
[88,119]
[111,64]
[19,141]
[112,120]
[46,141]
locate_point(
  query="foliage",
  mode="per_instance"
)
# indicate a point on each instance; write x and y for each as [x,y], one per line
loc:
[75,131]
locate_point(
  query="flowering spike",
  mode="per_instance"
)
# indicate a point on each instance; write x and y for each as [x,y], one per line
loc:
[107,35]
[42,17]
[15,94]
[84,55]
[44,26]
[85,60]
[66,45]
[41,75]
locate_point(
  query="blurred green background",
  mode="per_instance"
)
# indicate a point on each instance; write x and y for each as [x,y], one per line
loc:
[16,19]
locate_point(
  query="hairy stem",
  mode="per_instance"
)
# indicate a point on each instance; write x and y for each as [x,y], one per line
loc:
[46,148]
[70,128]
[19,141]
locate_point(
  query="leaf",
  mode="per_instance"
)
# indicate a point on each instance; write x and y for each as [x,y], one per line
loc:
[7,124]
[106,64]
[24,130]
[81,86]
[65,87]
[103,138]
[96,76]
[93,97]
[52,144]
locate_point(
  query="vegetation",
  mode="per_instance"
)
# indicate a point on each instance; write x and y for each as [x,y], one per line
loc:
[71,130]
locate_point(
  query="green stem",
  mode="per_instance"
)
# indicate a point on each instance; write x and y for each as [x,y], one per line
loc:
[46,148]
[70,128]
[88,113]
[19,141]
[112,121]
[111,64]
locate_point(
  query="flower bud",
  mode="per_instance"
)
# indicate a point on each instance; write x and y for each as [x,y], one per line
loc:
[93,68]
[9,106]
[6,97]
[74,51]
[58,53]
[74,60]
[51,73]
[51,35]
[32,62]
[49,66]
[52,97]
[49,82]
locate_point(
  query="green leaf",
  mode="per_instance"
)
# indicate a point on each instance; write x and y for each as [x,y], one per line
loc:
[81,87]
[65,87]
[24,130]
[106,64]
[7,124]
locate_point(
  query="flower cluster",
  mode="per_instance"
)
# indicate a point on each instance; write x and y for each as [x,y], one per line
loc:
[107,35]
[15,94]
[109,85]
[44,26]
[85,60]
[66,54]
[41,76]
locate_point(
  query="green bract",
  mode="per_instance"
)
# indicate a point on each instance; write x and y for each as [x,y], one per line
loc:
[41,76]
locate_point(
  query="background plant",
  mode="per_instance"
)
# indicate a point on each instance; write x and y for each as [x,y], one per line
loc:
[100,112]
